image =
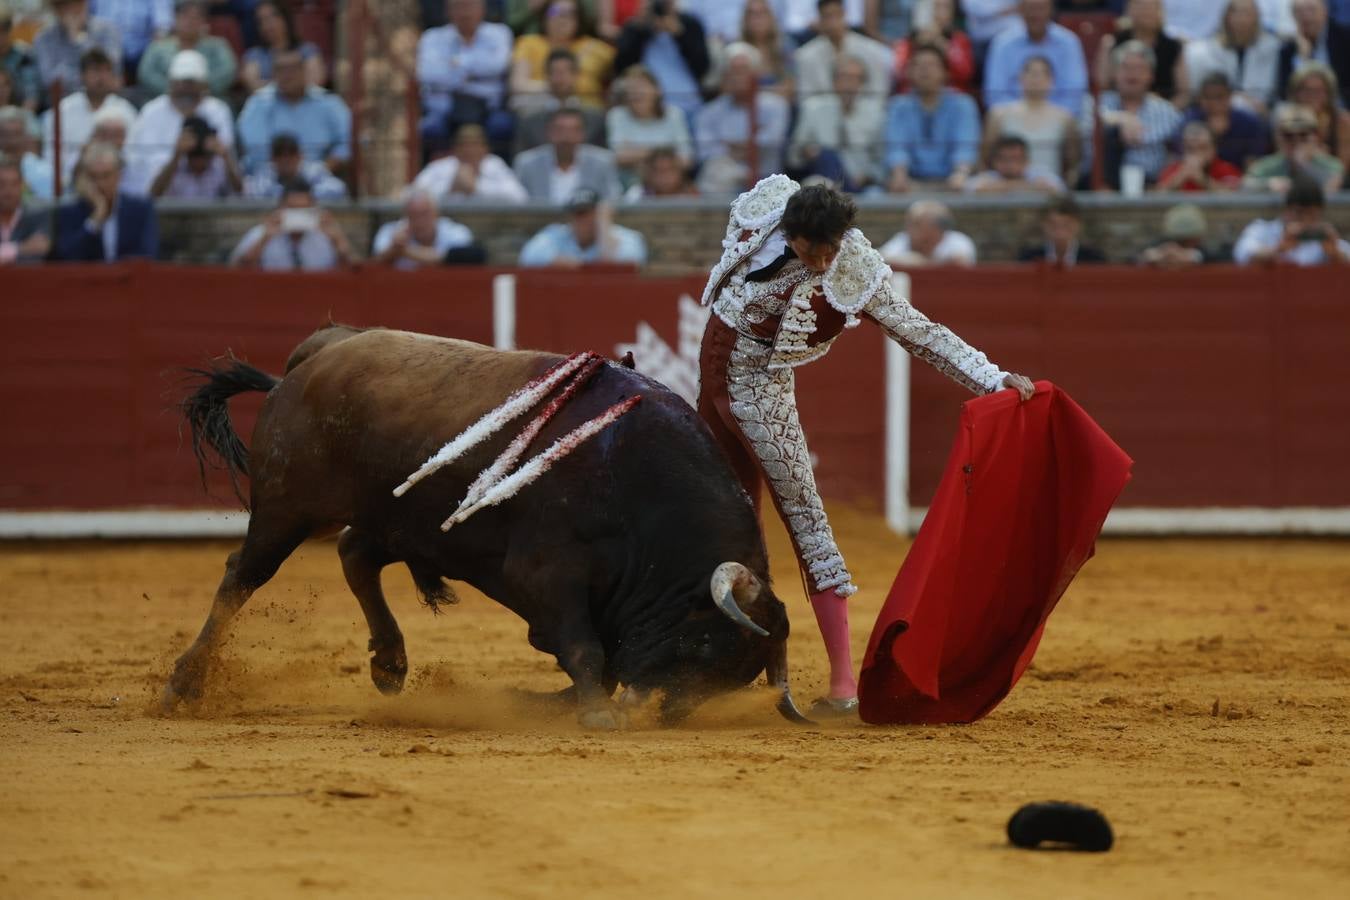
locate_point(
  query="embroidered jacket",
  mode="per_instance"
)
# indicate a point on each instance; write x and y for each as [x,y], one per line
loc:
[800,313]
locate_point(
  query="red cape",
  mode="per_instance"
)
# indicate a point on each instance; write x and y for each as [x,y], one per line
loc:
[1023,497]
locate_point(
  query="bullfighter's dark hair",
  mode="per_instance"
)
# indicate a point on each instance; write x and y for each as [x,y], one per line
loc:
[820,214]
[207,413]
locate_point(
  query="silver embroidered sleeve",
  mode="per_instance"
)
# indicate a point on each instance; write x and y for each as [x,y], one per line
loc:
[935,344]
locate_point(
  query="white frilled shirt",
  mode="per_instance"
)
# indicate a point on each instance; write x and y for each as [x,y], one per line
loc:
[797,314]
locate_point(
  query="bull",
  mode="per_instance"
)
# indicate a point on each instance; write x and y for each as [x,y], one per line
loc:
[637,561]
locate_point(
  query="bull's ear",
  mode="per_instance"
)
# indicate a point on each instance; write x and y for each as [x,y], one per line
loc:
[736,592]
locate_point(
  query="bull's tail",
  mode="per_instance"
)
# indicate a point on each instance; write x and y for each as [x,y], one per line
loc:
[214,440]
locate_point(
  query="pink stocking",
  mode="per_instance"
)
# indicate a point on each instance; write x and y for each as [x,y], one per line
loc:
[832,617]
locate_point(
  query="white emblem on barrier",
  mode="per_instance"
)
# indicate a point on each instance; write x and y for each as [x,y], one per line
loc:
[676,368]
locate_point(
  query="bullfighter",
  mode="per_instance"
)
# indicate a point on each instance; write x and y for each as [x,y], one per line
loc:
[794,274]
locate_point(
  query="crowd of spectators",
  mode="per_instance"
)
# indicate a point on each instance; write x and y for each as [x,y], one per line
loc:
[579,104]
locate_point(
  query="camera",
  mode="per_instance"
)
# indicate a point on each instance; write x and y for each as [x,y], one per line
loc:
[1315,233]
[660,8]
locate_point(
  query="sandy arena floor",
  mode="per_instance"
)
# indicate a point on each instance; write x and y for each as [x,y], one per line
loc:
[1195,691]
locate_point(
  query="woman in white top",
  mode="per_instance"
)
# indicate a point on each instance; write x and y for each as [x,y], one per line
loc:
[1249,56]
[641,122]
[1047,128]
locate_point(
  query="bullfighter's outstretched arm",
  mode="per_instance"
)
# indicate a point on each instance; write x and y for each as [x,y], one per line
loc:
[935,344]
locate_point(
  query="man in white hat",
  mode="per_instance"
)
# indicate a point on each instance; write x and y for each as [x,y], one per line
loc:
[153,138]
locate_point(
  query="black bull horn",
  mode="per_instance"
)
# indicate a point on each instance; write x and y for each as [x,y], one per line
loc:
[733,585]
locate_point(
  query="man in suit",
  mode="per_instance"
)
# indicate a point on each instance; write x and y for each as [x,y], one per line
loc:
[1061,224]
[23,232]
[554,172]
[102,223]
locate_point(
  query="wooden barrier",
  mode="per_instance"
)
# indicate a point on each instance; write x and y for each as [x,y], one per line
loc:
[1228,386]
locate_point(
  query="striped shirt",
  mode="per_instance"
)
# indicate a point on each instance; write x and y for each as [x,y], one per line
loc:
[1160,121]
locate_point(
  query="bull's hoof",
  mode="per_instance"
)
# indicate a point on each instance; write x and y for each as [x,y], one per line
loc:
[605,719]
[177,692]
[388,668]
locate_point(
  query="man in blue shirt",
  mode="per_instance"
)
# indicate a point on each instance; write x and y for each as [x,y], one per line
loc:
[1036,36]
[673,46]
[932,134]
[289,105]
[589,236]
[462,68]
[138,21]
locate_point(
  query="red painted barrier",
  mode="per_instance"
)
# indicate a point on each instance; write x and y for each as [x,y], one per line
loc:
[1227,386]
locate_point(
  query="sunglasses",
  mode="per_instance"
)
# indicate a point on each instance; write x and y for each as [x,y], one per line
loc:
[1296,136]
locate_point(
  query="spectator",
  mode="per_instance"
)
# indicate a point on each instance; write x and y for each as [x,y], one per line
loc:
[555,171]
[532,129]
[722,20]
[564,29]
[1301,236]
[1338,44]
[1136,123]
[528,16]
[276,29]
[112,124]
[18,64]
[190,32]
[759,29]
[138,22]
[986,20]
[1036,35]
[160,121]
[1189,20]
[933,133]
[722,127]
[942,33]
[201,168]
[1183,240]
[461,68]
[642,122]
[471,172]
[100,80]
[1308,44]
[1297,146]
[1061,226]
[930,238]
[61,44]
[1239,136]
[1011,170]
[422,238]
[1143,22]
[23,232]
[102,222]
[291,105]
[16,143]
[663,175]
[297,236]
[838,135]
[1049,131]
[1200,168]
[815,59]
[1314,86]
[8,95]
[889,21]
[801,18]
[671,45]
[1249,56]
[589,236]
[287,163]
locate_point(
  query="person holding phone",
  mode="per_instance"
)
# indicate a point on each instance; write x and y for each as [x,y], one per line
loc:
[1302,236]
[201,168]
[103,223]
[296,236]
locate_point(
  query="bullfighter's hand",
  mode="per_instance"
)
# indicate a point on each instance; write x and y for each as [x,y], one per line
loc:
[1022,384]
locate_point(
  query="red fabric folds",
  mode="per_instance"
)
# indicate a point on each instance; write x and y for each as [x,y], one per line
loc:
[1017,513]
